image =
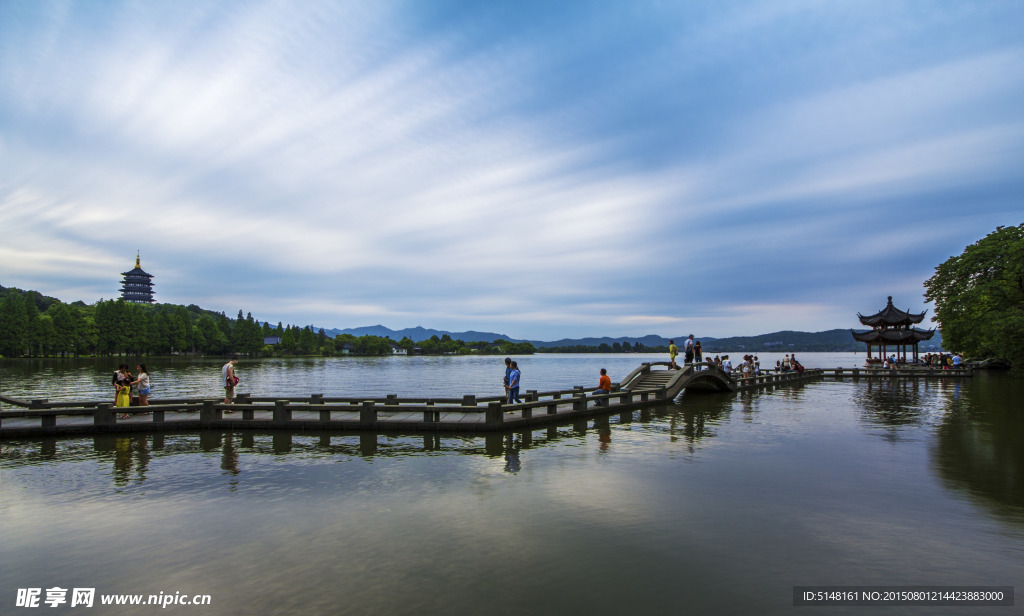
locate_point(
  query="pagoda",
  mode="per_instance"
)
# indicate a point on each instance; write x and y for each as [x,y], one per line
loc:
[137,285]
[891,327]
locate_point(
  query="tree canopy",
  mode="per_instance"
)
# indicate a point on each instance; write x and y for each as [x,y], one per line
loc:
[979,297]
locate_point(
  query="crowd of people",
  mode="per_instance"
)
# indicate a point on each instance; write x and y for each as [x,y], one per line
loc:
[945,361]
[749,367]
[125,384]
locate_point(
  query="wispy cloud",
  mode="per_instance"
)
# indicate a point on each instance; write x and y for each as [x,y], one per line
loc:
[640,168]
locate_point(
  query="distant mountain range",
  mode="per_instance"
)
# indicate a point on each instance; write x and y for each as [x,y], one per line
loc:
[418,333]
[830,340]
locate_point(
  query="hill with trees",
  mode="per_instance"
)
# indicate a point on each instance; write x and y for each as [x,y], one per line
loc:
[979,297]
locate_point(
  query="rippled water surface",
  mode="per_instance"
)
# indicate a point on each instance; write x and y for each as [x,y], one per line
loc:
[717,504]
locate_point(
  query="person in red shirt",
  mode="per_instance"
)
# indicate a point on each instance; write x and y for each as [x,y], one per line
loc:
[605,384]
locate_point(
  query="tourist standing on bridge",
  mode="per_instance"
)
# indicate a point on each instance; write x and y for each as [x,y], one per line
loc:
[688,346]
[673,352]
[726,365]
[230,380]
[698,354]
[143,383]
[124,390]
[116,381]
[508,371]
[513,384]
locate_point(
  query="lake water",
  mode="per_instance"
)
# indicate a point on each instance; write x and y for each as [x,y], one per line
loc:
[444,376]
[715,504]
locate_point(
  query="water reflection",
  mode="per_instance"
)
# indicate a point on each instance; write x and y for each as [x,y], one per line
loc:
[978,450]
[131,456]
[889,403]
[130,453]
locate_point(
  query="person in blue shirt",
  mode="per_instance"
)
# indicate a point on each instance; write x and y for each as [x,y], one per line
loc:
[513,384]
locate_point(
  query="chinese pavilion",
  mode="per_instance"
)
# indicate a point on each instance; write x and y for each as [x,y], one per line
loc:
[137,285]
[891,327]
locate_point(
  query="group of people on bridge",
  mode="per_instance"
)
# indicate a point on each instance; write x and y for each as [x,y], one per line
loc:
[692,352]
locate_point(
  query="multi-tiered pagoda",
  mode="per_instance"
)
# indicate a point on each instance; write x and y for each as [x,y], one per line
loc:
[137,285]
[891,328]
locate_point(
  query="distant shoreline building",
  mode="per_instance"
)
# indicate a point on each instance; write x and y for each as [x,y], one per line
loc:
[891,327]
[137,285]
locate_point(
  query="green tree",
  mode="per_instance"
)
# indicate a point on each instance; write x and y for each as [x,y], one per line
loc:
[45,334]
[64,328]
[254,335]
[979,297]
[14,332]
[215,340]
[158,335]
[36,333]
[184,319]
[307,341]
[86,333]
[288,340]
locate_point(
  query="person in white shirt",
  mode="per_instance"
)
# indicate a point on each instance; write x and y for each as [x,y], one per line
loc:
[227,374]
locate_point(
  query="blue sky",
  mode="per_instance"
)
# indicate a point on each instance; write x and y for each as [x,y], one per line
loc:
[539,169]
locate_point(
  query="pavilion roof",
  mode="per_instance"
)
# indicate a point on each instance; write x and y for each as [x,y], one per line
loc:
[893,336]
[889,316]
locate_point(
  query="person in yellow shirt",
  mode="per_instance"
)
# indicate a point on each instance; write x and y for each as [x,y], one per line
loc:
[673,351]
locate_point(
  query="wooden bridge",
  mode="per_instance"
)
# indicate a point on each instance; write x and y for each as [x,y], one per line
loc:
[649,385]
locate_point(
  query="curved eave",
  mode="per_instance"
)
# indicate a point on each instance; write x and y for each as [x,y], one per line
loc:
[894,336]
[891,315]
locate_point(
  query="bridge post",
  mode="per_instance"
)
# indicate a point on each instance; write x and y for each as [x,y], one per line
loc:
[209,412]
[316,398]
[579,401]
[37,404]
[242,398]
[282,414]
[469,400]
[158,417]
[49,421]
[325,415]
[103,416]
[391,399]
[494,415]
[367,414]
[531,395]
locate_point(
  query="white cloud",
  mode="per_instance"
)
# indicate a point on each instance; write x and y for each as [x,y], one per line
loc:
[337,149]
